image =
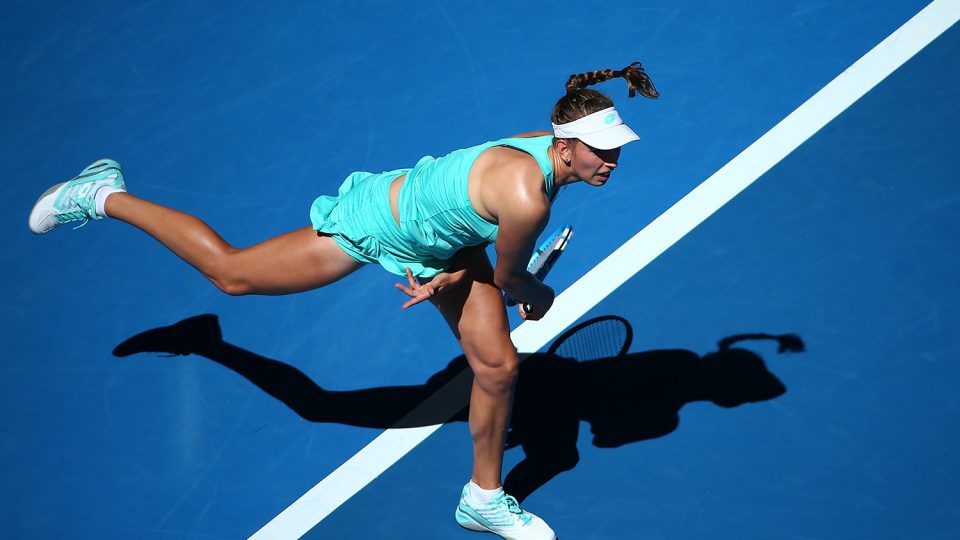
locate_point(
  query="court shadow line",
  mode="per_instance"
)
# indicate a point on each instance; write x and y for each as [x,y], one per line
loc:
[625,398]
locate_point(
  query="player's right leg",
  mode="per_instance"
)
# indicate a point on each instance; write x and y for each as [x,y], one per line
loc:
[294,262]
[475,312]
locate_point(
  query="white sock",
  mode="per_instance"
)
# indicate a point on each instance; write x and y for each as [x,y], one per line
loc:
[480,495]
[101,198]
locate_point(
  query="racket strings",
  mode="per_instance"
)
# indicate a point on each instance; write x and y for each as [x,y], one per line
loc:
[603,337]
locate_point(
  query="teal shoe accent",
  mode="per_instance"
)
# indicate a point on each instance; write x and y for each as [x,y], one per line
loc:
[75,201]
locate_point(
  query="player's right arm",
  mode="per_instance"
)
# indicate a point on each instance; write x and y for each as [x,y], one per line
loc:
[522,211]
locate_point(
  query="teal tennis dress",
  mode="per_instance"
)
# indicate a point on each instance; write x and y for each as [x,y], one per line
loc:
[436,217]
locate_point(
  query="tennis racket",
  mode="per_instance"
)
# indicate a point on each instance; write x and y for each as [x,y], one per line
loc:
[543,259]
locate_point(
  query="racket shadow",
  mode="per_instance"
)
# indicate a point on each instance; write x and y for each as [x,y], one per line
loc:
[625,398]
[587,375]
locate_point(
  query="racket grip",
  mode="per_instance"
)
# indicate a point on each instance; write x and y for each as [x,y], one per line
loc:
[525,306]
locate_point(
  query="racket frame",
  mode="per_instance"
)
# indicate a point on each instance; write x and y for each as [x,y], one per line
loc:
[545,257]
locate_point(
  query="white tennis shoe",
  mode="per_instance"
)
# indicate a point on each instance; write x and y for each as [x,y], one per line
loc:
[74,200]
[501,516]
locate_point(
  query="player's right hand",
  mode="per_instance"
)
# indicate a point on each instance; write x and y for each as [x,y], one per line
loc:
[536,312]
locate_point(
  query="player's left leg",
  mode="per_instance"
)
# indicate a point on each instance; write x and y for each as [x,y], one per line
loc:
[294,262]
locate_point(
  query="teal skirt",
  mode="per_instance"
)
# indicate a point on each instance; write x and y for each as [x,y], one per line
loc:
[359,220]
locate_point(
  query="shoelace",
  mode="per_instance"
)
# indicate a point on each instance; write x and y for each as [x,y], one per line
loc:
[82,212]
[514,508]
[77,214]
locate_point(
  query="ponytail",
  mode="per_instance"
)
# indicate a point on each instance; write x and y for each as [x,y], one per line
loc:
[637,80]
[580,101]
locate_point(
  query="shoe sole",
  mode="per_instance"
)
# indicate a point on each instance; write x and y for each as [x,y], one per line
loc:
[469,524]
[45,194]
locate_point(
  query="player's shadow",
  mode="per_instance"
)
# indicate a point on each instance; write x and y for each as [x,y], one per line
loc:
[586,376]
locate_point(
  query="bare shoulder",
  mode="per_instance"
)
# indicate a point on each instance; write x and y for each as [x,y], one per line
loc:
[504,177]
[532,134]
[510,160]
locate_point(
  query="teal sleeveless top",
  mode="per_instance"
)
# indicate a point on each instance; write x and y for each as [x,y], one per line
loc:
[436,217]
[435,209]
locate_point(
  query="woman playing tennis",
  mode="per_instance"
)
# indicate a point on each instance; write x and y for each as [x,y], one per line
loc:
[429,223]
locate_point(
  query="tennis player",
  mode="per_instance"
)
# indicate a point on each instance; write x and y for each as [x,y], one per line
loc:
[429,223]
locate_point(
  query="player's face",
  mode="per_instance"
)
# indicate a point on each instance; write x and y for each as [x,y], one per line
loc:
[593,165]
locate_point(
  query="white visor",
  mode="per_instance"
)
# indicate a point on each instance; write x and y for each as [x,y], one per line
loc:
[603,130]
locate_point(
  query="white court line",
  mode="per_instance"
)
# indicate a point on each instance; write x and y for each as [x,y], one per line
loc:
[716,191]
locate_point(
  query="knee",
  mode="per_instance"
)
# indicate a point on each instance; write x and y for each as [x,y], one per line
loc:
[496,371]
[232,288]
[226,277]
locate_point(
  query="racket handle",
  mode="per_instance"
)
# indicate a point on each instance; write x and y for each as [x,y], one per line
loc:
[525,307]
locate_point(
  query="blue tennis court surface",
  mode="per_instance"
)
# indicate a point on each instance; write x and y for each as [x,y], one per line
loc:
[244,116]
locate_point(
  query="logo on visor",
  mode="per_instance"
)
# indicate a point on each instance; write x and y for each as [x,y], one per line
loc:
[609,119]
